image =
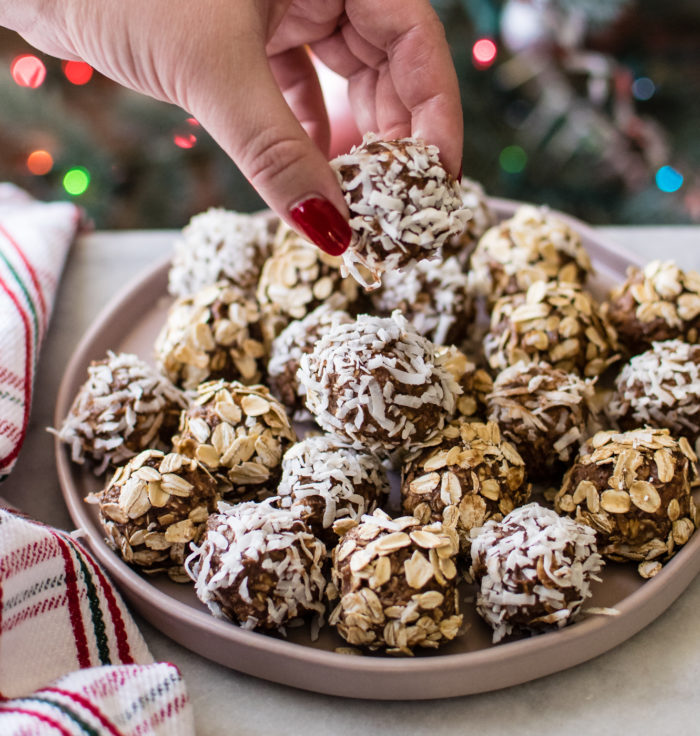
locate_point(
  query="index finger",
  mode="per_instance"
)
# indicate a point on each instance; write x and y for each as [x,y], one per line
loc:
[421,67]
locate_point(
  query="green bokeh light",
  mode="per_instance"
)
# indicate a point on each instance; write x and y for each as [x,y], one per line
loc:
[512,159]
[76,180]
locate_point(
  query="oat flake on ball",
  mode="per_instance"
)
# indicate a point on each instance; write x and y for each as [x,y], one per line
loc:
[377,384]
[534,570]
[396,581]
[634,489]
[403,205]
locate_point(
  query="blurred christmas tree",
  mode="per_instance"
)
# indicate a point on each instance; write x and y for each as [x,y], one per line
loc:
[591,106]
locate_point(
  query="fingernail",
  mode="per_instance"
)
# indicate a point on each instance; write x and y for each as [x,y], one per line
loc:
[322,224]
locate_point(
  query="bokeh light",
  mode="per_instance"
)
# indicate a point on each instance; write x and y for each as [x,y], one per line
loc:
[484,52]
[643,88]
[39,162]
[512,159]
[77,72]
[669,179]
[76,180]
[184,140]
[28,71]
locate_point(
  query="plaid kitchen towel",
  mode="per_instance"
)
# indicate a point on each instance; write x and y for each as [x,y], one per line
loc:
[34,240]
[72,660]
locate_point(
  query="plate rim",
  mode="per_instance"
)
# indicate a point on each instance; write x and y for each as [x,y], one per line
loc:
[674,578]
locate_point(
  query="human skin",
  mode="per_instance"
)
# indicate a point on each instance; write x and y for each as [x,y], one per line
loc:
[242,69]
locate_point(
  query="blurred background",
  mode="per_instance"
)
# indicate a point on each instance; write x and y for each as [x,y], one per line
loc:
[590,106]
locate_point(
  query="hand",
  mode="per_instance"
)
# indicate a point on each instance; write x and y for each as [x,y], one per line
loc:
[242,69]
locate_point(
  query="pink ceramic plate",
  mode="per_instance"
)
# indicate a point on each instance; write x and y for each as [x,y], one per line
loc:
[468,665]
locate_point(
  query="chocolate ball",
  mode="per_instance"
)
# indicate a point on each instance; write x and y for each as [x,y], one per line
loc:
[259,566]
[124,407]
[330,485]
[403,205]
[464,476]
[660,302]
[544,412]
[633,488]
[397,585]
[660,388]
[153,507]
[558,323]
[534,570]
[297,339]
[531,246]
[239,432]
[215,333]
[377,385]
[434,296]
[220,244]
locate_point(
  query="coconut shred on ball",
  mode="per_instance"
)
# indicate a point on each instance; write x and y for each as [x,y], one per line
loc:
[534,570]
[221,244]
[330,485]
[259,566]
[377,384]
[403,205]
[125,406]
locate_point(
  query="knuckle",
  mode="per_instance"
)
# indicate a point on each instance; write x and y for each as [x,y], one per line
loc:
[271,157]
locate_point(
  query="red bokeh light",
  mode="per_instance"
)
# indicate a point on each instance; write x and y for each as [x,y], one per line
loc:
[192,122]
[77,72]
[28,71]
[39,162]
[484,52]
[186,140]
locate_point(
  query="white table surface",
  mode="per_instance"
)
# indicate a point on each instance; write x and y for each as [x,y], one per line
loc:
[648,685]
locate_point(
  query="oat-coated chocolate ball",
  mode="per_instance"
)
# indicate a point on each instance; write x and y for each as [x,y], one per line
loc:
[479,220]
[153,507]
[544,412]
[124,407]
[475,382]
[259,566]
[434,296]
[467,474]
[330,485]
[660,302]
[403,205]
[296,279]
[660,388]
[397,585]
[534,570]
[215,333]
[220,244]
[239,432]
[559,323]
[297,339]
[633,488]
[533,245]
[377,384]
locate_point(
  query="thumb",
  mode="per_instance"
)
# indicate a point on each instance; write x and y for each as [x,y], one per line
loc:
[247,115]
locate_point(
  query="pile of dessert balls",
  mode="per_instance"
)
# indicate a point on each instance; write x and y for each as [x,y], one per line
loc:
[252,461]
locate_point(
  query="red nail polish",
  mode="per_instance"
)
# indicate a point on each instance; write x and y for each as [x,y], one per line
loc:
[321,222]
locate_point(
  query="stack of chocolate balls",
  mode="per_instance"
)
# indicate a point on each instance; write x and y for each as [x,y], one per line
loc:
[465,355]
